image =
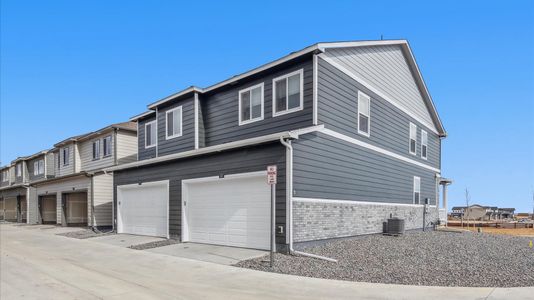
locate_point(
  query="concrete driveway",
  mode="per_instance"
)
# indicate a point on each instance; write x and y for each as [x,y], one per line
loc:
[125,240]
[35,264]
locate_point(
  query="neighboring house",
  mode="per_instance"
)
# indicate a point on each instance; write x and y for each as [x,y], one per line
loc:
[80,193]
[13,190]
[489,212]
[350,126]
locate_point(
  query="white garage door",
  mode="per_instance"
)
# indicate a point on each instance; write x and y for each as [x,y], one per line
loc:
[143,209]
[233,211]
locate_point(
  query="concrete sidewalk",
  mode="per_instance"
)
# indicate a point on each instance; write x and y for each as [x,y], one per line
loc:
[37,265]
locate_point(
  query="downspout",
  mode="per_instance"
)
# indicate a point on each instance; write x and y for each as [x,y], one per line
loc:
[289,196]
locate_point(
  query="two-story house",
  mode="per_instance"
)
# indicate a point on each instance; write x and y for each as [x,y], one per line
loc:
[350,126]
[13,190]
[70,188]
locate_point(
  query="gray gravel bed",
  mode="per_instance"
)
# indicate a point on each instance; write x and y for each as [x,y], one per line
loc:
[156,244]
[84,234]
[417,258]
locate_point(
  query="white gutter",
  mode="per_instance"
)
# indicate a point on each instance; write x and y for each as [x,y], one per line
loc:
[217,148]
[289,197]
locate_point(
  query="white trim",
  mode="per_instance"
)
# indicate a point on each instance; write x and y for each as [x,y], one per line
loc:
[367,114]
[416,189]
[377,149]
[218,148]
[149,183]
[185,194]
[109,143]
[153,123]
[315,90]
[424,142]
[173,111]
[197,125]
[301,92]
[353,202]
[139,116]
[249,89]
[377,92]
[413,129]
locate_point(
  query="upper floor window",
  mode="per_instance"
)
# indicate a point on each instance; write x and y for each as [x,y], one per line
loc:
[173,122]
[424,144]
[96,149]
[5,175]
[38,167]
[288,93]
[66,156]
[251,104]
[107,145]
[413,138]
[416,190]
[364,114]
[18,170]
[150,134]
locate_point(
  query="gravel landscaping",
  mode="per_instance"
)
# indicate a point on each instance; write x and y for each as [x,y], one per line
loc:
[417,258]
[84,234]
[156,244]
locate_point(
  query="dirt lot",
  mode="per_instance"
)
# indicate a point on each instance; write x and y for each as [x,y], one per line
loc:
[528,232]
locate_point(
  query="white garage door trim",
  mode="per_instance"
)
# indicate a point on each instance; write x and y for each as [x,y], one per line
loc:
[185,194]
[165,183]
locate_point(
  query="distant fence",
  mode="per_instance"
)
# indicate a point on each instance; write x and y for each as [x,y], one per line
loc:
[492,224]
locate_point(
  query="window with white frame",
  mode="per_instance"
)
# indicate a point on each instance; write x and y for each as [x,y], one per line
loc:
[66,156]
[173,123]
[424,144]
[96,149]
[38,167]
[416,190]
[251,104]
[288,93]
[107,145]
[364,114]
[18,170]
[150,134]
[413,138]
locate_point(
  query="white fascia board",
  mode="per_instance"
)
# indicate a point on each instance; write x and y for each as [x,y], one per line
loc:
[217,148]
[139,116]
[324,46]
[175,95]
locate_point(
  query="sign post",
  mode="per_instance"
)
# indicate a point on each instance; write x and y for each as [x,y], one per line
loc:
[271,180]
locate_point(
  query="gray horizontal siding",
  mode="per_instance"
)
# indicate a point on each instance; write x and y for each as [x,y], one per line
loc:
[29,163]
[14,192]
[187,140]
[19,179]
[230,162]
[2,182]
[338,109]
[329,168]
[221,111]
[144,153]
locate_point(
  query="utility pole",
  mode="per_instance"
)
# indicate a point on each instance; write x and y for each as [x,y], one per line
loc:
[467,198]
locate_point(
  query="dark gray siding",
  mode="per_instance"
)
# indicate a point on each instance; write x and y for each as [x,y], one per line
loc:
[221,115]
[230,162]
[144,153]
[201,128]
[30,169]
[329,168]
[181,143]
[338,104]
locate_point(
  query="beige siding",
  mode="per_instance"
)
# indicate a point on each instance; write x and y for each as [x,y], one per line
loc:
[32,206]
[66,169]
[385,69]
[86,154]
[69,185]
[126,146]
[50,165]
[77,159]
[103,199]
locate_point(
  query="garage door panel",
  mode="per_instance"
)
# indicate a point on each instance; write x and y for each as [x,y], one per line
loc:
[143,209]
[230,211]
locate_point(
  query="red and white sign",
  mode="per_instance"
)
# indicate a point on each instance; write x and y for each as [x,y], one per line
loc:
[271,175]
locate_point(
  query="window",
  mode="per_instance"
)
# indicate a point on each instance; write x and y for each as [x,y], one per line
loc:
[66,156]
[5,175]
[251,104]
[38,167]
[18,170]
[364,114]
[416,190]
[287,93]
[173,122]
[413,138]
[424,144]
[96,149]
[107,145]
[150,134]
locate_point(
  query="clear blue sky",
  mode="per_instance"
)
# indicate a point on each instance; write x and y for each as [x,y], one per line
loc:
[68,67]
